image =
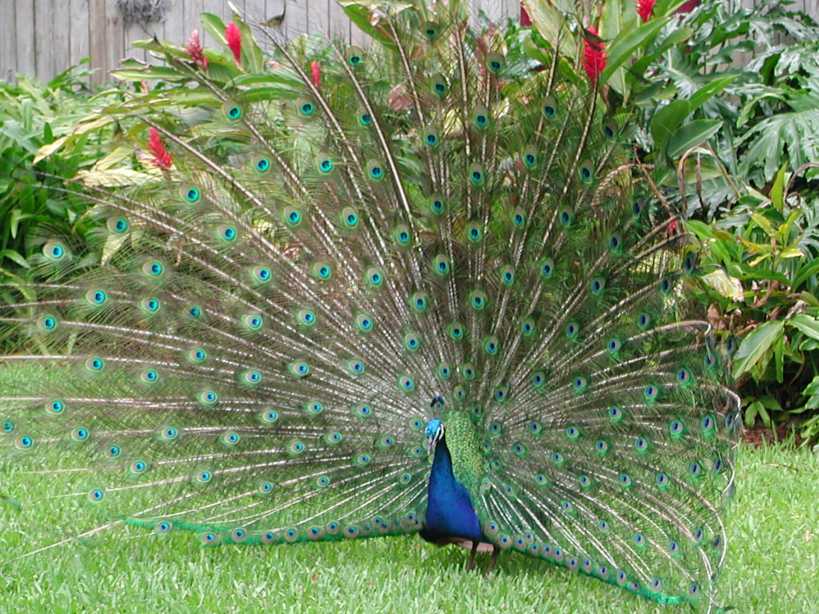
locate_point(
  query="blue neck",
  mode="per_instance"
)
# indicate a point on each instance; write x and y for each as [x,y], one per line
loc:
[449,510]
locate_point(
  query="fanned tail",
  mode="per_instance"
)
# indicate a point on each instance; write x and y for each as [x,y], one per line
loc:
[329,254]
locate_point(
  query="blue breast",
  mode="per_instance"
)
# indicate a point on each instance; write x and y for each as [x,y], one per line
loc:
[449,511]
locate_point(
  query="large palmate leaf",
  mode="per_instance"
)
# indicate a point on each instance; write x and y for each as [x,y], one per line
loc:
[795,135]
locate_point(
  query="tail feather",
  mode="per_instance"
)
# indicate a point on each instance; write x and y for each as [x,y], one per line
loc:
[323,265]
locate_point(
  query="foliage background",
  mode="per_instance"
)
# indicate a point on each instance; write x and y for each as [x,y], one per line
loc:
[727,103]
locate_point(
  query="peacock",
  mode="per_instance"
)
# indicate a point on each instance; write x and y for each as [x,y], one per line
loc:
[423,287]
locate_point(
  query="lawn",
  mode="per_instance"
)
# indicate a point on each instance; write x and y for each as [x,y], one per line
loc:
[773,562]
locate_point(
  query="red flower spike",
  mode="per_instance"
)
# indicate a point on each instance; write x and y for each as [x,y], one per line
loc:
[234,40]
[688,6]
[645,9]
[525,20]
[315,73]
[196,51]
[594,54]
[162,158]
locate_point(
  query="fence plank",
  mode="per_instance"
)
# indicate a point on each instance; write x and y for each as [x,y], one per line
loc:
[8,41]
[494,9]
[96,39]
[173,26]
[42,37]
[511,9]
[190,18]
[318,17]
[295,22]
[78,33]
[114,37]
[135,32]
[61,36]
[339,24]
[256,10]
[43,24]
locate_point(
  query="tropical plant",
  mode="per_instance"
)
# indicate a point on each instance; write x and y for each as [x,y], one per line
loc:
[729,98]
[32,117]
[759,278]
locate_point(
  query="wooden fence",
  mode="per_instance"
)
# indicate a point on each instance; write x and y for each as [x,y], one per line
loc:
[43,37]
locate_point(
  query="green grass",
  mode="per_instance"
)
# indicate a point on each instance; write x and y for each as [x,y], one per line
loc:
[772,565]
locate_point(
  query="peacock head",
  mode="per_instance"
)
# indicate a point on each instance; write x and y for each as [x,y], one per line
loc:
[434,433]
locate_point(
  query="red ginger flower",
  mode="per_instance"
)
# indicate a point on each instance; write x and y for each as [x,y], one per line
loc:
[234,40]
[196,51]
[594,54]
[525,20]
[315,73]
[645,9]
[162,158]
[688,6]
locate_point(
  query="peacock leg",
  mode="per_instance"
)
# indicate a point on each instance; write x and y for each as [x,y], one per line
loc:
[470,564]
[493,561]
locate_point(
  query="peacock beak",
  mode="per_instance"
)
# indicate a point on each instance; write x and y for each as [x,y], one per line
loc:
[433,441]
[434,432]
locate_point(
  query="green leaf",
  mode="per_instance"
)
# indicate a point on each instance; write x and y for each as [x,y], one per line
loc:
[136,71]
[763,223]
[767,142]
[360,13]
[666,121]
[779,360]
[757,408]
[17,216]
[215,27]
[751,412]
[712,88]
[624,46]
[809,269]
[46,150]
[701,229]
[617,17]
[809,345]
[679,35]
[549,21]
[282,76]
[770,403]
[778,189]
[16,257]
[163,47]
[92,122]
[806,324]
[755,346]
[117,177]
[791,252]
[692,134]
[727,286]
[812,392]
[763,414]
